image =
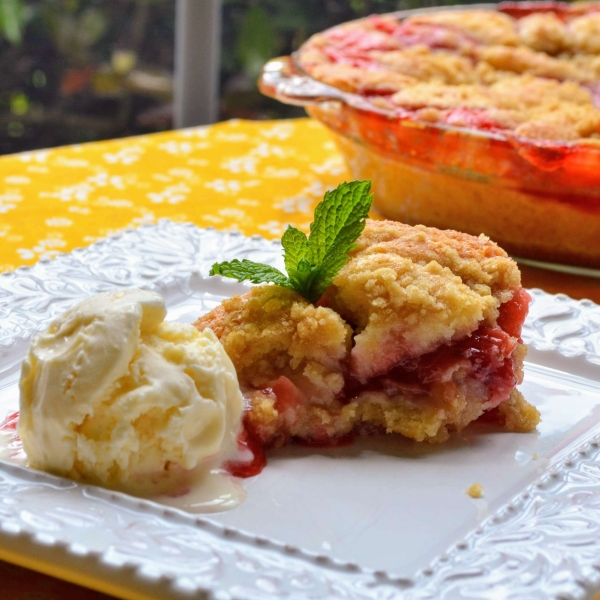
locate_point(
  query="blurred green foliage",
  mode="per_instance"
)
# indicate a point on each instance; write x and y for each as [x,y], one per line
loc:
[255,40]
[79,70]
[75,30]
[13,16]
[256,30]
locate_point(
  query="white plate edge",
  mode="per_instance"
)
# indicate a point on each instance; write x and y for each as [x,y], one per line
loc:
[160,266]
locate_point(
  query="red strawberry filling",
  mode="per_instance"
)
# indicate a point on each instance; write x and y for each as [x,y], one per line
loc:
[512,313]
[10,422]
[518,10]
[256,459]
[485,357]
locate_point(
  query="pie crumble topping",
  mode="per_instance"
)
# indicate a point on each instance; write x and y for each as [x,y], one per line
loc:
[419,334]
[528,69]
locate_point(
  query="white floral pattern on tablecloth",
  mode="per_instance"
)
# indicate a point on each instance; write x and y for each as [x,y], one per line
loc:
[254,177]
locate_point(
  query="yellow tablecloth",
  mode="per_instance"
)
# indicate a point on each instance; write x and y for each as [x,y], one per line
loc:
[255,177]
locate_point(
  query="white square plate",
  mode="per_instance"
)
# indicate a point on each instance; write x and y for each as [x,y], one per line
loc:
[383,518]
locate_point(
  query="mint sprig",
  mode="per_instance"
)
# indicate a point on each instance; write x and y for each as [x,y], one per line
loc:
[312,262]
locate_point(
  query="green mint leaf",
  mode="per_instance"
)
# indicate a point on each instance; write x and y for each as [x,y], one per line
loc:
[247,270]
[295,247]
[340,215]
[339,221]
[333,261]
[302,277]
[313,262]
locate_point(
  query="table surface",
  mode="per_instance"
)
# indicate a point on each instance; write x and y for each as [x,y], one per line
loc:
[255,177]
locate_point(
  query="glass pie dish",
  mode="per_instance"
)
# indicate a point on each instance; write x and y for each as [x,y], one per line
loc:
[537,198]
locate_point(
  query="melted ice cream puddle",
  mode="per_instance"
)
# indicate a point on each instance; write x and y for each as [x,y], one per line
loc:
[214,491]
[210,489]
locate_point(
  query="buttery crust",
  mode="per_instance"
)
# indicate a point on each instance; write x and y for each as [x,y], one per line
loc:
[411,289]
[404,292]
[537,76]
[273,331]
[483,26]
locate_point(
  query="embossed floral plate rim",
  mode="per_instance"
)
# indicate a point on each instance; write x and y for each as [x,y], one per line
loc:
[223,562]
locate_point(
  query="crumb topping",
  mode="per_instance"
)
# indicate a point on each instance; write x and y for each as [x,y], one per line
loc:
[475,491]
[535,75]
[417,335]
[272,330]
[411,289]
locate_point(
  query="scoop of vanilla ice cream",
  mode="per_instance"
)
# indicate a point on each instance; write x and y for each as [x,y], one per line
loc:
[113,395]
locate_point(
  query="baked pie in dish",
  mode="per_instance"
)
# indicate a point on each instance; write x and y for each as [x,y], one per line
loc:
[483,120]
[418,334]
[530,70]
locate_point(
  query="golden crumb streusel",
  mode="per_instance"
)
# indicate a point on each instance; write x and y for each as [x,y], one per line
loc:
[475,491]
[418,334]
[534,74]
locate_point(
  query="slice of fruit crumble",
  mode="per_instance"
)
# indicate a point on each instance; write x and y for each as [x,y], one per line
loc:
[418,333]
